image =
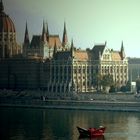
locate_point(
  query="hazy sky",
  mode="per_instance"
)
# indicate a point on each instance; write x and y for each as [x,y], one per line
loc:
[88,22]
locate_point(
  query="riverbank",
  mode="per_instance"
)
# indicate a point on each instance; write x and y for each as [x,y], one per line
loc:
[104,106]
[86,101]
[75,105]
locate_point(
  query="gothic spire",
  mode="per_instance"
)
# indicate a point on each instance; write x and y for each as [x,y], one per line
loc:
[1,6]
[122,51]
[26,36]
[105,43]
[122,47]
[72,49]
[72,46]
[65,38]
[55,49]
[47,30]
[43,37]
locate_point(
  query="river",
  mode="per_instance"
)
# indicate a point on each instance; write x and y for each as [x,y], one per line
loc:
[56,124]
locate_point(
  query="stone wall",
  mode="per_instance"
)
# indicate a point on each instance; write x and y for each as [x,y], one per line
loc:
[20,74]
[108,97]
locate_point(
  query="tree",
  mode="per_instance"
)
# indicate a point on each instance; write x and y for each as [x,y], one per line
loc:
[126,87]
[107,82]
[97,81]
[112,88]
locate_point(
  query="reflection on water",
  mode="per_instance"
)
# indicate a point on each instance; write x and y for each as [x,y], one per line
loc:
[49,124]
[92,138]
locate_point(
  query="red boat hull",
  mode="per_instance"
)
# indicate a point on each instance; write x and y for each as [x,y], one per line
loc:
[91,131]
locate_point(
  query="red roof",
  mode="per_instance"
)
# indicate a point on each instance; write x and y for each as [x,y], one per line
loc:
[116,56]
[54,39]
[81,55]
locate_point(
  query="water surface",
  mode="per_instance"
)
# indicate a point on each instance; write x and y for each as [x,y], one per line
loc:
[55,124]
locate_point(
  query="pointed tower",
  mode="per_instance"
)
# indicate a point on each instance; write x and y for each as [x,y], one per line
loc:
[26,36]
[105,43]
[26,43]
[55,49]
[47,31]
[43,37]
[1,6]
[72,49]
[65,38]
[122,51]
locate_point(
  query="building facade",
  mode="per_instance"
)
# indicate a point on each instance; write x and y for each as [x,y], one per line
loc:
[53,65]
[111,62]
[42,46]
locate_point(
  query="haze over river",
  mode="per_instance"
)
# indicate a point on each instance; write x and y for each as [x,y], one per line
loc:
[55,124]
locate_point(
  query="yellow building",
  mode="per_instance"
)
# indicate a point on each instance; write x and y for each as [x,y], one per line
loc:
[111,62]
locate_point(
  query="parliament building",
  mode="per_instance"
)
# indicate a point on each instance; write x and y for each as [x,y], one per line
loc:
[55,65]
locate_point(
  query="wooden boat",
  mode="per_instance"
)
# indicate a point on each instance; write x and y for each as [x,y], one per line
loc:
[91,131]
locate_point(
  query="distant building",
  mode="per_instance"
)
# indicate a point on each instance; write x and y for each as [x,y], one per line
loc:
[134,68]
[53,65]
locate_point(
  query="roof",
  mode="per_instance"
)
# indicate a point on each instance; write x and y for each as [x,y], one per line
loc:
[6,24]
[63,55]
[116,56]
[53,39]
[98,49]
[81,55]
[36,41]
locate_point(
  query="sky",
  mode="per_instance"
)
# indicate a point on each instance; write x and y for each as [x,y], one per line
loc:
[88,22]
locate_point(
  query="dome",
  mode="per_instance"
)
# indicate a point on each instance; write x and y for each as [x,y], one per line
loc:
[6,24]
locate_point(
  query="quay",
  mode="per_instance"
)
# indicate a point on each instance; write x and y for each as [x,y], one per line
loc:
[108,102]
[75,105]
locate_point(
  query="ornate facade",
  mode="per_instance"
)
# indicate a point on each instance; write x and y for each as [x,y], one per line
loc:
[112,62]
[53,65]
[42,46]
[76,69]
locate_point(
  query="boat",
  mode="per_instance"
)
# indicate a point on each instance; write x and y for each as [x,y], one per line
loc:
[90,132]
